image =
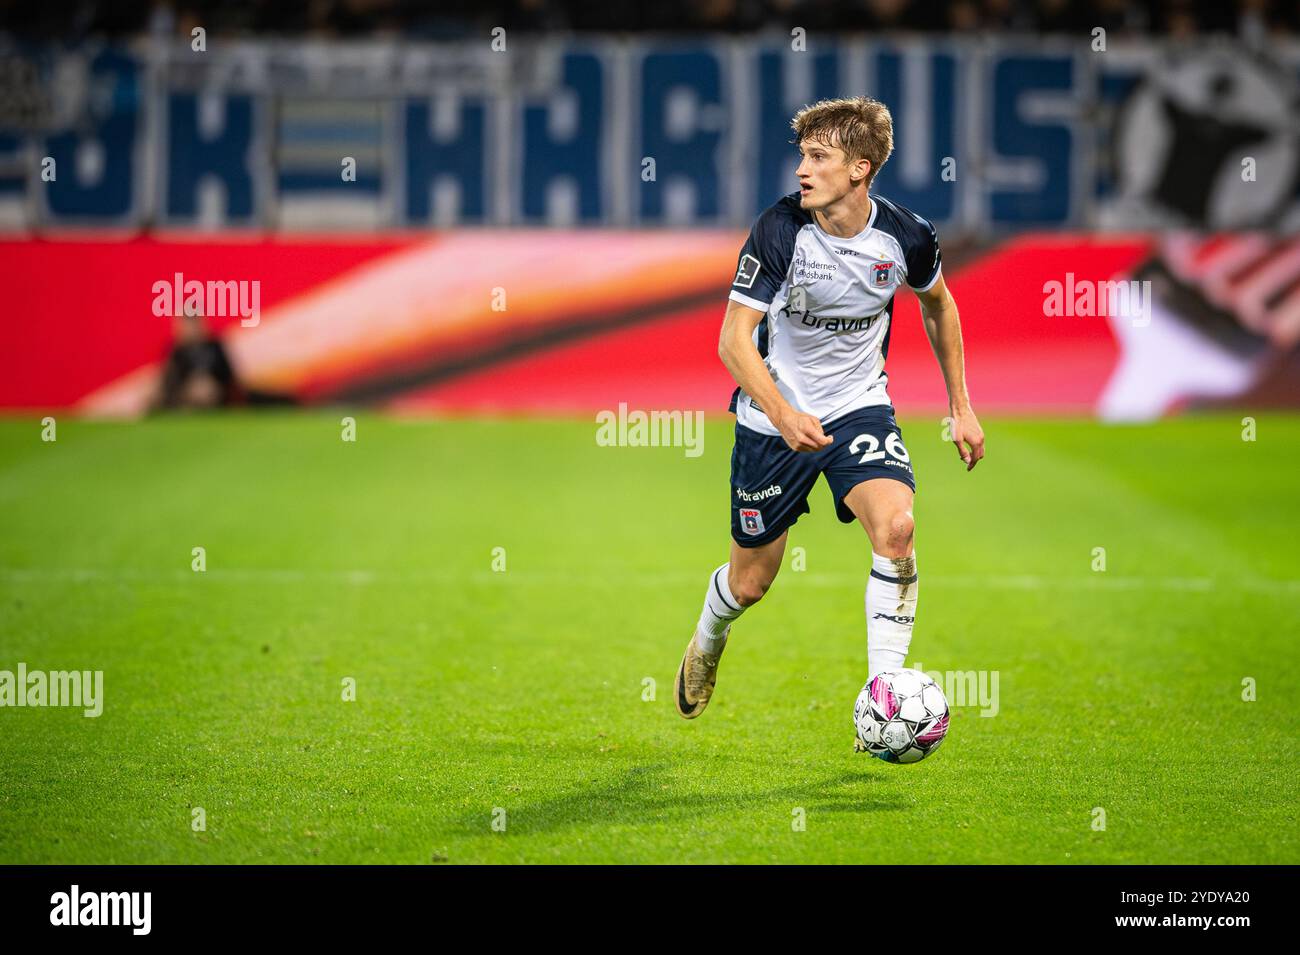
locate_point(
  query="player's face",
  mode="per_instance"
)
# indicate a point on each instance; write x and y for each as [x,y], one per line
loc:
[825,174]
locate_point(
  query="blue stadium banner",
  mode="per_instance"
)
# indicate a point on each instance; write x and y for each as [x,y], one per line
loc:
[990,136]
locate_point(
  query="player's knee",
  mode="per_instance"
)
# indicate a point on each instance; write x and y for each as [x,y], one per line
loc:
[893,537]
[748,589]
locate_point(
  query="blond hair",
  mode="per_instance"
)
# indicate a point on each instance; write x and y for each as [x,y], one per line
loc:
[859,125]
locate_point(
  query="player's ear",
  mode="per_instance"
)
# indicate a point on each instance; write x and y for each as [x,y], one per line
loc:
[861,169]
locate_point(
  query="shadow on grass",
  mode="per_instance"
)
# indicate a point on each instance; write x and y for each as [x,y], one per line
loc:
[648,795]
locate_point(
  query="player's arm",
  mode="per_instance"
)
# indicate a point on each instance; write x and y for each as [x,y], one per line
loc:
[802,432]
[939,312]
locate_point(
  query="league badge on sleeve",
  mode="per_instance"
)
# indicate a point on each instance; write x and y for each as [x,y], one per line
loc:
[747,271]
[882,274]
[751,521]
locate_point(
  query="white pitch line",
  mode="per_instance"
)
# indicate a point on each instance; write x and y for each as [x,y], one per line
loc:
[581,578]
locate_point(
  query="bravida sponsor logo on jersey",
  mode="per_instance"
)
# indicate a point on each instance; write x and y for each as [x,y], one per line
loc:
[75,907]
[837,325]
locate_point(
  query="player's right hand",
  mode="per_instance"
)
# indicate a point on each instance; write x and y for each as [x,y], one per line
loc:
[803,432]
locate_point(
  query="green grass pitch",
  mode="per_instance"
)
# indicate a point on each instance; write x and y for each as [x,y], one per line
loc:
[524,690]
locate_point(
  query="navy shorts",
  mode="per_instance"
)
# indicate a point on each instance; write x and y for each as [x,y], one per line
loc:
[770,483]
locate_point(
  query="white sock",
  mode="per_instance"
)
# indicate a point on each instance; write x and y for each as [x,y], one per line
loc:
[720,608]
[891,609]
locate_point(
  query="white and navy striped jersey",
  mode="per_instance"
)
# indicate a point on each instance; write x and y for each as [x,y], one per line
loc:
[828,303]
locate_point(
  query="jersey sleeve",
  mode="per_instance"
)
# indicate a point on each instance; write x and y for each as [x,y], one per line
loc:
[923,258]
[764,260]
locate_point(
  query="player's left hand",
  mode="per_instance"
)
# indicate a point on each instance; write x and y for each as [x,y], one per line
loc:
[966,428]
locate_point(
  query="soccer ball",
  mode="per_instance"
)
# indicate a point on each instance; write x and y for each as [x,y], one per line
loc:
[901,716]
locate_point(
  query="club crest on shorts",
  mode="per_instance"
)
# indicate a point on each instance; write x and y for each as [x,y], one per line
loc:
[751,520]
[882,274]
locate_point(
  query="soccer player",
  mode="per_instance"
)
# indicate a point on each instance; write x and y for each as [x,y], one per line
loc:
[805,337]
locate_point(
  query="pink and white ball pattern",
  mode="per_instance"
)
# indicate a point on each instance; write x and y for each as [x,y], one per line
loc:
[901,716]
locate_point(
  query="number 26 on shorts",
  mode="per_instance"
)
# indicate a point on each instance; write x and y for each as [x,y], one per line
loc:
[893,444]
